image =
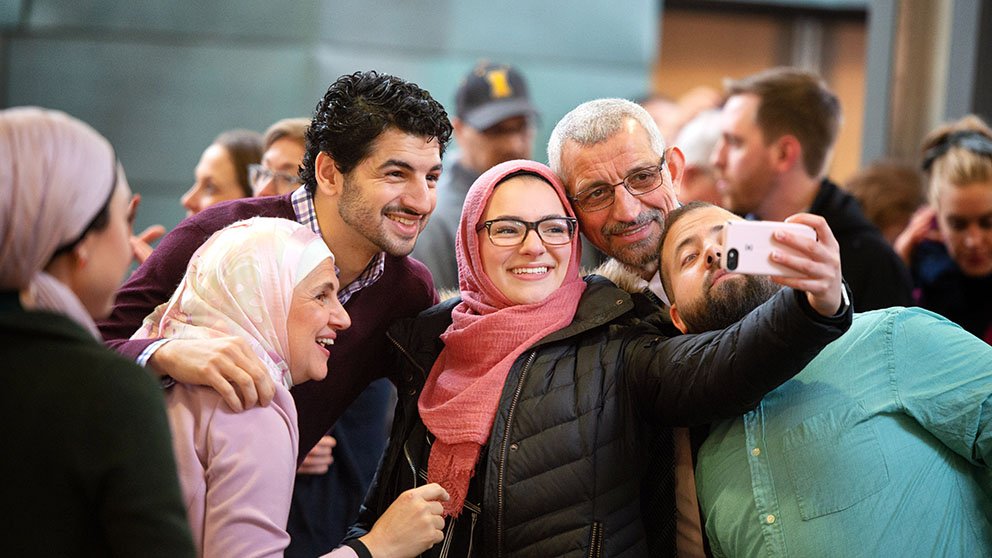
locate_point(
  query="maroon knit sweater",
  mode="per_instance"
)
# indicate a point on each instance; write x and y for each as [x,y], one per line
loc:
[360,353]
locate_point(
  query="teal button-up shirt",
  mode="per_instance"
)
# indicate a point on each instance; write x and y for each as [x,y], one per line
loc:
[879,447]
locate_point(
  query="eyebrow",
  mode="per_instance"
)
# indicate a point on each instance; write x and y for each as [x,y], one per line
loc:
[405,165]
[516,218]
[625,175]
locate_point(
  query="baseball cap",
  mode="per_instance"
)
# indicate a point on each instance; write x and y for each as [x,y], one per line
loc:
[492,93]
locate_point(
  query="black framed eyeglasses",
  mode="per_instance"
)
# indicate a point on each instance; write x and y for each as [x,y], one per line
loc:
[638,183]
[553,231]
[259,177]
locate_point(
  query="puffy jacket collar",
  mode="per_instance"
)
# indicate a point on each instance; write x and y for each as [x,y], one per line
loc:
[602,303]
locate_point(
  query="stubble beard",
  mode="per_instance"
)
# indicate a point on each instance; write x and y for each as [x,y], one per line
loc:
[358,214]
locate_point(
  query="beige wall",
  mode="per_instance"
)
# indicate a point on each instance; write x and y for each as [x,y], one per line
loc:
[702,48]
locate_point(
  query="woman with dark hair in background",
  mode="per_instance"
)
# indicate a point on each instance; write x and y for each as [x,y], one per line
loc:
[88,466]
[222,173]
[948,245]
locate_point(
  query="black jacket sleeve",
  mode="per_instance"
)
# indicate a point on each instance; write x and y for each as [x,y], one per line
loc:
[694,379]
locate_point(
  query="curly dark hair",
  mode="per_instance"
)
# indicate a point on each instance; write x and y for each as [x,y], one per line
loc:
[357,108]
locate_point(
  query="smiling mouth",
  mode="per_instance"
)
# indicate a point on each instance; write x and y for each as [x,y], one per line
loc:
[325,342]
[529,270]
[404,220]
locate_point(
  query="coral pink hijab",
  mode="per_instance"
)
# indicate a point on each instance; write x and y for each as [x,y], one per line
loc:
[487,334]
[240,283]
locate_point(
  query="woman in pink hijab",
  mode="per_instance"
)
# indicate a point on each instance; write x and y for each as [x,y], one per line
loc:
[88,468]
[540,400]
[272,283]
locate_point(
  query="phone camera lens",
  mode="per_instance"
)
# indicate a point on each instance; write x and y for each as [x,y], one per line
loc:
[732,259]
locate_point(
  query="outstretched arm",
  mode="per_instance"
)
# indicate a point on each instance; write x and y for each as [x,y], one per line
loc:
[692,379]
[227,365]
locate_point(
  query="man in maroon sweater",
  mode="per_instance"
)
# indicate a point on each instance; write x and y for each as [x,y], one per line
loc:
[373,158]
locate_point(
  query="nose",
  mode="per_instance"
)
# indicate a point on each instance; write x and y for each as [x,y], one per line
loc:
[973,235]
[419,197]
[718,158]
[519,144]
[339,319]
[268,189]
[625,207]
[191,199]
[712,255]
[532,244]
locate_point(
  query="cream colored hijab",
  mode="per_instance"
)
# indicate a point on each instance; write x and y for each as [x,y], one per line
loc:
[56,174]
[240,283]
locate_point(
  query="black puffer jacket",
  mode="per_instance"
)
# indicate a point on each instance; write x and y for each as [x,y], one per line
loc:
[564,464]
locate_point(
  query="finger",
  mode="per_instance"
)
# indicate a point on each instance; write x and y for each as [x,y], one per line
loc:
[256,381]
[227,392]
[435,507]
[331,440]
[432,491]
[140,250]
[152,233]
[311,469]
[803,266]
[438,522]
[824,235]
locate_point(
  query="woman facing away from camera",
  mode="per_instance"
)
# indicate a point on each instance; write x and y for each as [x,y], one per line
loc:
[272,283]
[87,464]
[536,397]
[948,244]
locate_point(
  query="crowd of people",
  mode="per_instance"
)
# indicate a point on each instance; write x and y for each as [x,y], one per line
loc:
[359,345]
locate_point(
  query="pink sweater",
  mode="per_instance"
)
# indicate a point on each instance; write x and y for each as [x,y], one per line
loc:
[236,470]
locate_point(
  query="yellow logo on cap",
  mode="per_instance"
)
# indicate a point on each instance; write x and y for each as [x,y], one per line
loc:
[499,84]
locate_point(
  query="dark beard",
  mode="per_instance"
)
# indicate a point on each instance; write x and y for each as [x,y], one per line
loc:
[727,304]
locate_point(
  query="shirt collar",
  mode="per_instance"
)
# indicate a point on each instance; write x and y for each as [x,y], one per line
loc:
[306,214]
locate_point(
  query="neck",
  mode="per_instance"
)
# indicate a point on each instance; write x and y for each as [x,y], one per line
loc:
[352,251]
[794,194]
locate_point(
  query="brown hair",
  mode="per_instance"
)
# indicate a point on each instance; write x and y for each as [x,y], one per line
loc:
[950,156]
[888,191]
[292,128]
[244,147]
[798,103]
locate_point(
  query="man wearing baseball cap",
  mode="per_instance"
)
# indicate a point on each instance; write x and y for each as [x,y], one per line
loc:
[494,122]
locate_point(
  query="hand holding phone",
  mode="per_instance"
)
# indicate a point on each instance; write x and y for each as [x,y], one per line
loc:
[748,245]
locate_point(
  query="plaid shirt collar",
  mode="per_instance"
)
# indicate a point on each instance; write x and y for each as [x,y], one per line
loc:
[306,215]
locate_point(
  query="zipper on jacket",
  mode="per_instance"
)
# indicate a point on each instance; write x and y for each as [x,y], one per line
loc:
[405,353]
[596,540]
[502,453]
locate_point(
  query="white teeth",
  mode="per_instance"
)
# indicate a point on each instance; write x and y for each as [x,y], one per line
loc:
[529,270]
[325,341]
[403,221]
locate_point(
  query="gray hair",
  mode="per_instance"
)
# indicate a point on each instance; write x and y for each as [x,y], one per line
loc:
[596,121]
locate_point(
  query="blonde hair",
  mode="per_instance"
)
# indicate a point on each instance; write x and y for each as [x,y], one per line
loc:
[292,128]
[958,153]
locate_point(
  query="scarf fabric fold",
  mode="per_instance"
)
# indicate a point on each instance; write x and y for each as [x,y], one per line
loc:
[56,175]
[240,283]
[487,334]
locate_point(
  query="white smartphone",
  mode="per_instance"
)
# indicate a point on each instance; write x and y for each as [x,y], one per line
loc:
[747,246]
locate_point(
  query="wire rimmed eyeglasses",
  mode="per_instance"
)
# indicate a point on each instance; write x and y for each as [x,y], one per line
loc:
[259,177]
[638,183]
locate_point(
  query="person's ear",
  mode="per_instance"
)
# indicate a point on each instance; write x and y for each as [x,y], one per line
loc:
[673,311]
[786,153]
[675,161]
[330,181]
[457,127]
